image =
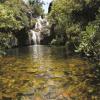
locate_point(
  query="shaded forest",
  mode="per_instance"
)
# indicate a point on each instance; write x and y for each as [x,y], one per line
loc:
[67,52]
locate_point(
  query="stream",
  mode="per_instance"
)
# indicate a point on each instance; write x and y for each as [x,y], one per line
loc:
[37,72]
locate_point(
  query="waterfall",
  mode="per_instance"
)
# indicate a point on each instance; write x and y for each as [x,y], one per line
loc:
[37,31]
[35,37]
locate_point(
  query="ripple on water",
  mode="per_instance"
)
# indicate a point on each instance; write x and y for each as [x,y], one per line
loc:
[37,79]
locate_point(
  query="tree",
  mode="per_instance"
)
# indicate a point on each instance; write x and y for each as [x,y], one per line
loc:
[36,6]
[15,18]
[77,19]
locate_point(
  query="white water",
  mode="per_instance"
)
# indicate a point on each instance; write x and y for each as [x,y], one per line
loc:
[36,32]
[35,37]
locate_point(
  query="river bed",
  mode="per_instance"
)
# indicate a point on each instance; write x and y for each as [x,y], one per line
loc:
[40,73]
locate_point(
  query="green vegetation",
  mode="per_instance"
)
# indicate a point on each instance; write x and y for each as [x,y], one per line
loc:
[15,16]
[4,38]
[36,7]
[79,20]
[74,24]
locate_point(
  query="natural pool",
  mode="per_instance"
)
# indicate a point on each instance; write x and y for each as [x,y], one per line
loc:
[42,73]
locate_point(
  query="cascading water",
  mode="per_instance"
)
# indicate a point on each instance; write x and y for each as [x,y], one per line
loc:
[34,38]
[36,32]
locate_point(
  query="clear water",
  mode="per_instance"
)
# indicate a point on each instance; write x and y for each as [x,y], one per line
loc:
[37,73]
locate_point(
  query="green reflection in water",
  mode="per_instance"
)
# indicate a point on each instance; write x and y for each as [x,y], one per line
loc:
[40,73]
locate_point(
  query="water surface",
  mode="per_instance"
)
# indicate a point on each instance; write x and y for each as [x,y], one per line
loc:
[37,73]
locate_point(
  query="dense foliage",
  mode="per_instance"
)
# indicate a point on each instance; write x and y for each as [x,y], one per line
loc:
[15,16]
[75,23]
[36,7]
[80,21]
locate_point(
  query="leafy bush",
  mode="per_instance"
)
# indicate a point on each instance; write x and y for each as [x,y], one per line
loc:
[16,16]
[4,42]
[7,18]
[80,21]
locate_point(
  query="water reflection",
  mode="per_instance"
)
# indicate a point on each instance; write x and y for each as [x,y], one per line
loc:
[38,52]
[37,73]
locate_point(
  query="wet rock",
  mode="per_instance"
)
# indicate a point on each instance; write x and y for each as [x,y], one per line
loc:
[7,98]
[37,98]
[25,98]
[52,92]
[29,93]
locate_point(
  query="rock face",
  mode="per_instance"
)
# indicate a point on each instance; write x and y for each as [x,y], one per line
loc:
[41,32]
[13,42]
[22,37]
